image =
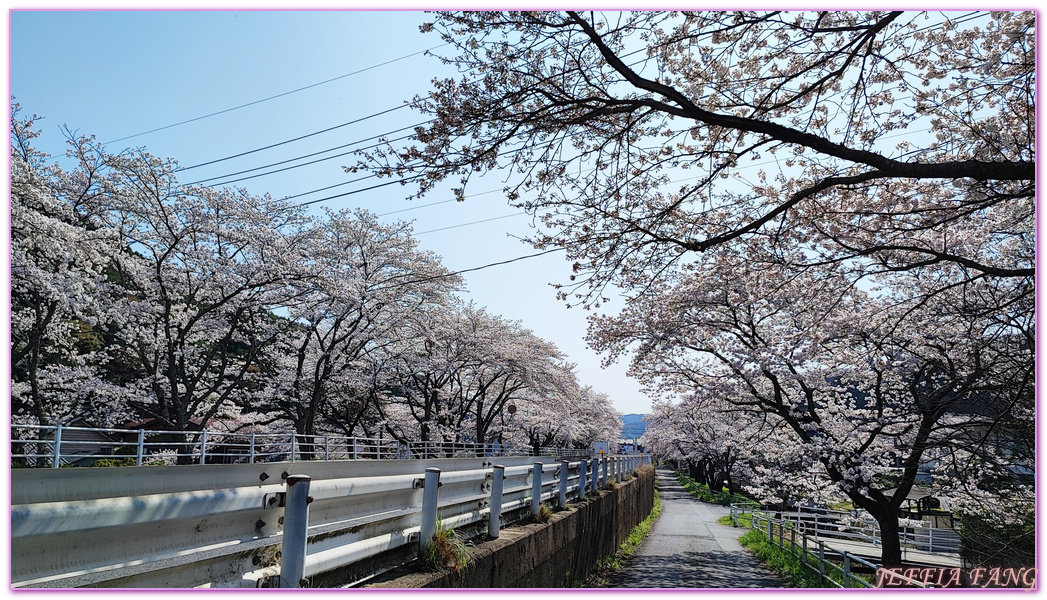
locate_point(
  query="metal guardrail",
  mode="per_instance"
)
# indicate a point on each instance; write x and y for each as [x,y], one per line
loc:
[56,446]
[234,525]
[793,537]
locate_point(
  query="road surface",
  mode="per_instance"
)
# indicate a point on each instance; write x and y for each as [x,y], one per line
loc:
[687,548]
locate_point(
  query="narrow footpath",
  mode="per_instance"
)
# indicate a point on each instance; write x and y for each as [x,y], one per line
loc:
[687,548]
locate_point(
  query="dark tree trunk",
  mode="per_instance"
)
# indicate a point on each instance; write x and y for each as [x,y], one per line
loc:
[889,539]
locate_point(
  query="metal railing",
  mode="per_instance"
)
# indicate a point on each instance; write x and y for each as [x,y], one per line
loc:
[57,446]
[235,525]
[800,537]
[861,527]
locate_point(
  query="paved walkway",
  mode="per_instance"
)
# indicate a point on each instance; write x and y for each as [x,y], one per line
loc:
[687,548]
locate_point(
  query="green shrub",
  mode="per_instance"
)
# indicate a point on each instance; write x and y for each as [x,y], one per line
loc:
[115,462]
[705,494]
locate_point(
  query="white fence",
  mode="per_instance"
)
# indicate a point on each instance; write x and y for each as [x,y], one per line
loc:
[224,525]
[58,446]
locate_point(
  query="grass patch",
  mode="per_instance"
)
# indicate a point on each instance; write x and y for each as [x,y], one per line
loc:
[790,566]
[744,520]
[784,563]
[446,551]
[610,565]
[544,513]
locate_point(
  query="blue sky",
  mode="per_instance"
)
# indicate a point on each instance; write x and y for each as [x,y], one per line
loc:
[117,74]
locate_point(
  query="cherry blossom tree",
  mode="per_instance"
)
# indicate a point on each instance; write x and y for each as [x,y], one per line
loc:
[855,387]
[559,411]
[852,258]
[199,271]
[643,139]
[59,255]
[364,279]
[460,367]
[707,436]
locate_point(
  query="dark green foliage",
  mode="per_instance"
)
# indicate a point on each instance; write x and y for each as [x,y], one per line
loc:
[987,544]
[706,494]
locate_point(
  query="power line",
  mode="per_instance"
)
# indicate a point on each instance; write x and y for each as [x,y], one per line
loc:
[515,214]
[388,62]
[366,189]
[282,162]
[305,164]
[480,268]
[403,210]
[301,137]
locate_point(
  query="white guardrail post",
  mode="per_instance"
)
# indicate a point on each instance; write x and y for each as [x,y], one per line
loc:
[565,470]
[536,489]
[582,467]
[494,520]
[141,447]
[594,476]
[296,528]
[603,459]
[430,497]
[56,459]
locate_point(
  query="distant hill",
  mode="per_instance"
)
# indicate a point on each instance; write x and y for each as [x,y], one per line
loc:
[634,426]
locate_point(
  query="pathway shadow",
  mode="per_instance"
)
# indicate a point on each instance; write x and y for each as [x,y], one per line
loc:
[695,570]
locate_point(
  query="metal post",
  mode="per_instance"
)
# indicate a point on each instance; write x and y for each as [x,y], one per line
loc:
[203,446]
[536,489]
[430,497]
[56,460]
[327,448]
[141,447]
[494,521]
[293,439]
[582,468]
[821,559]
[846,570]
[353,440]
[603,459]
[565,467]
[618,469]
[594,476]
[252,449]
[296,527]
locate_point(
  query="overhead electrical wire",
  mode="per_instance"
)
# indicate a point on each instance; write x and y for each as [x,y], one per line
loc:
[310,155]
[515,214]
[480,268]
[305,164]
[299,138]
[221,112]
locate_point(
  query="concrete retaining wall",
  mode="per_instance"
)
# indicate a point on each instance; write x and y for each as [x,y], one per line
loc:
[552,554]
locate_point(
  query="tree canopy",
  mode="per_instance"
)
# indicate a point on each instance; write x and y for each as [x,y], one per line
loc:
[136,298]
[822,223]
[891,140]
